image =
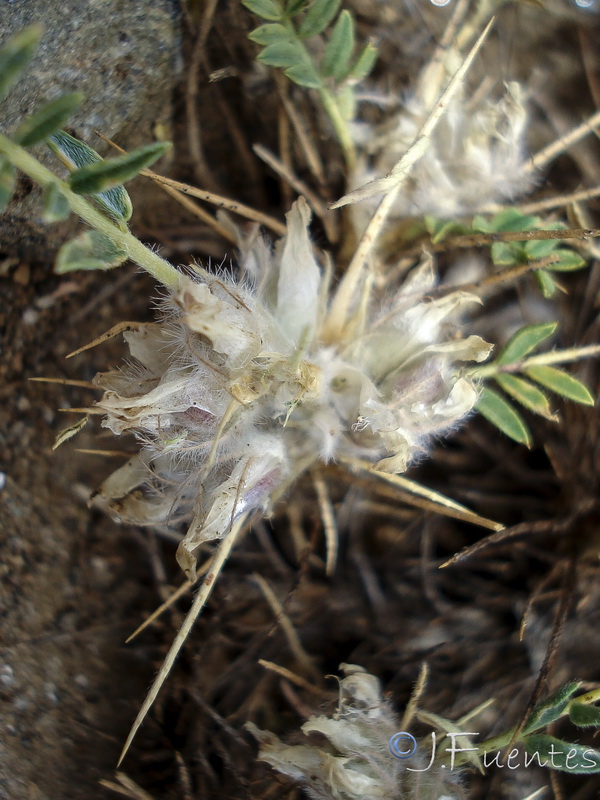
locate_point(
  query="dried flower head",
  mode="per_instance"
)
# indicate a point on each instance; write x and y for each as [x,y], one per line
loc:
[347,756]
[476,156]
[243,386]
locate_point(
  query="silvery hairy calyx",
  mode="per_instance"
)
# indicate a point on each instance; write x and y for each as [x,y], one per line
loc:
[244,385]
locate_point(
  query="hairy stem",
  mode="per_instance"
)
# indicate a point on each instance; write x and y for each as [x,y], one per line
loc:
[156,266]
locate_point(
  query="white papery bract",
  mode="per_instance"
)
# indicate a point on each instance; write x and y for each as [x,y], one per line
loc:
[244,385]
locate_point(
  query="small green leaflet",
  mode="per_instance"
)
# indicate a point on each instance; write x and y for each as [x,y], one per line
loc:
[552,708]
[282,54]
[89,251]
[439,229]
[269,34]
[339,49]
[318,17]
[583,715]
[509,219]
[501,414]
[74,154]
[41,125]
[305,75]
[294,6]
[267,9]
[576,759]
[559,381]
[364,63]
[524,341]
[546,282]
[16,54]
[567,260]
[104,175]
[527,394]
[7,182]
[56,206]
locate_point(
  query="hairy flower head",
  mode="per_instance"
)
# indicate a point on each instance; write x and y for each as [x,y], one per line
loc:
[244,385]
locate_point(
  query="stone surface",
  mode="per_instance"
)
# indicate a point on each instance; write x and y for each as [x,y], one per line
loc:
[125,58]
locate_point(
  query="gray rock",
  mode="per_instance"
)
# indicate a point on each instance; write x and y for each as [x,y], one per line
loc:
[125,58]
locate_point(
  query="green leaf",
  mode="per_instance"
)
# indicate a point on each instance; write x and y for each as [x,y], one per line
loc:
[552,708]
[559,381]
[305,75]
[501,414]
[41,125]
[56,206]
[269,34]
[7,182]
[527,394]
[16,54]
[577,759]
[524,341]
[89,251]
[539,248]
[546,282]
[439,229]
[267,9]
[282,54]
[318,17]
[568,261]
[339,48]
[74,154]
[104,175]
[509,219]
[294,6]
[364,63]
[504,254]
[583,715]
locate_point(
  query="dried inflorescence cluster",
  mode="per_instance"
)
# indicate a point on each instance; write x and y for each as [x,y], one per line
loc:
[348,755]
[241,386]
[477,154]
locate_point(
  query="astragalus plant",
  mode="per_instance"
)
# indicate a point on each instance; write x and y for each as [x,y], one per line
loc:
[246,381]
